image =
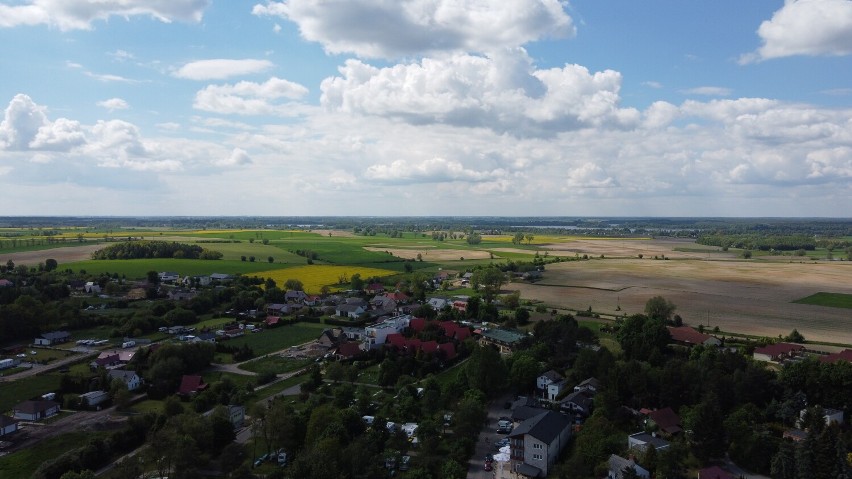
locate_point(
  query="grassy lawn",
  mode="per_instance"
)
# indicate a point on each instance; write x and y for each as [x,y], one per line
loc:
[263,393]
[13,392]
[834,300]
[275,363]
[275,339]
[22,464]
[369,375]
[237,379]
[148,405]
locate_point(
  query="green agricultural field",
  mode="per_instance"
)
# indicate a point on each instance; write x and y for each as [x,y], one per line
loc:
[276,339]
[834,300]
[138,268]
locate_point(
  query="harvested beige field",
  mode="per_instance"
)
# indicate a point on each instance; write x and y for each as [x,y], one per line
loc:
[632,248]
[431,254]
[61,255]
[750,297]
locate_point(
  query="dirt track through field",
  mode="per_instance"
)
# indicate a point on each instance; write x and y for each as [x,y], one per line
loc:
[740,296]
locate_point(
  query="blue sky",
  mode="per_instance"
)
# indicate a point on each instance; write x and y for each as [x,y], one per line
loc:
[426,107]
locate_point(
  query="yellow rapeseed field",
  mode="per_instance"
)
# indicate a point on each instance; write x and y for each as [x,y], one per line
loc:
[314,277]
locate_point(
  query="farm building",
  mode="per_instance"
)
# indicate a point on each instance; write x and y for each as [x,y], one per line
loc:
[777,352]
[53,337]
[94,398]
[35,410]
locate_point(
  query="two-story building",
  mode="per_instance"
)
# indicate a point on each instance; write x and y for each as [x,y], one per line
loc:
[536,443]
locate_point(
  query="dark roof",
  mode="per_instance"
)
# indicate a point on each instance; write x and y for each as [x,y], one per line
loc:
[552,375]
[121,374]
[32,407]
[522,413]
[6,421]
[56,335]
[527,470]
[591,382]
[545,426]
[579,398]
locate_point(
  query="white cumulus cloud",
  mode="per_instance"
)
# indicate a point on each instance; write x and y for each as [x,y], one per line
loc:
[805,27]
[221,68]
[503,92]
[399,28]
[238,157]
[80,14]
[114,104]
[433,170]
[25,126]
[708,91]
[249,98]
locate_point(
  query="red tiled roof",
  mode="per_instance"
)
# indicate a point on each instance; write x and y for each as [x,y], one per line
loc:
[449,350]
[396,339]
[270,320]
[398,296]
[191,384]
[845,355]
[666,419]
[349,349]
[429,346]
[778,349]
[685,334]
[417,324]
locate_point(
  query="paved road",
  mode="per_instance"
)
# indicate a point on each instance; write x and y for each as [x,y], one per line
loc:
[487,437]
[39,368]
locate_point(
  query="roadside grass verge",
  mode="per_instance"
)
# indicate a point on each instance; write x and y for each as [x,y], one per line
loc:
[833,300]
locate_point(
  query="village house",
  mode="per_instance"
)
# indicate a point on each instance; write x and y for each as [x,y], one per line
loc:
[168,277]
[589,386]
[546,379]
[505,341]
[777,352]
[845,355]
[35,410]
[618,464]
[578,402]
[536,443]
[665,420]
[129,378]
[554,390]
[686,336]
[640,441]
[376,334]
[191,384]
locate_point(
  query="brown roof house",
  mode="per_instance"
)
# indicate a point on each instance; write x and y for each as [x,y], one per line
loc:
[665,420]
[689,337]
[191,384]
[777,352]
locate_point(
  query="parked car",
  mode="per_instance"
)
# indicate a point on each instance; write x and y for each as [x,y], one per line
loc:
[501,443]
[488,466]
[489,458]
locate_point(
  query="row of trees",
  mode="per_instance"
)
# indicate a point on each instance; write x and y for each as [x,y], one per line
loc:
[155,249]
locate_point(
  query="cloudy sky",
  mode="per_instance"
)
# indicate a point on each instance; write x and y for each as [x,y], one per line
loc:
[426,107]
